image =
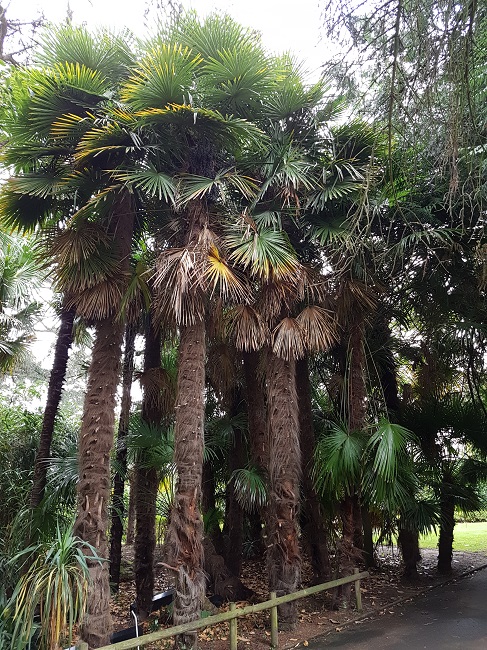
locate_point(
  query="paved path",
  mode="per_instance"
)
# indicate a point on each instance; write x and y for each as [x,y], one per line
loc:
[453,617]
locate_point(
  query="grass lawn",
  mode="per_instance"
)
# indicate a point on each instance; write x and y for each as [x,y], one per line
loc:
[468,537]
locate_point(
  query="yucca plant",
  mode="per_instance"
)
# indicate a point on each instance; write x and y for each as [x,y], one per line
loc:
[51,595]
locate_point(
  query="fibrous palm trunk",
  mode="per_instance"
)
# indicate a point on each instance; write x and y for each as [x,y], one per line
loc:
[54,392]
[95,446]
[208,507]
[234,515]
[185,532]
[447,525]
[259,441]
[408,541]
[130,537]
[349,508]
[146,486]
[118,506]
[314,530]
[283,555]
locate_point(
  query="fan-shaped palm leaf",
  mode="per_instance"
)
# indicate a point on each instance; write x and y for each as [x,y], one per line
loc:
[289,340]
[247,327]
[319,326]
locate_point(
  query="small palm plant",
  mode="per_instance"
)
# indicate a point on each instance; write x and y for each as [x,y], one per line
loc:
[51,595]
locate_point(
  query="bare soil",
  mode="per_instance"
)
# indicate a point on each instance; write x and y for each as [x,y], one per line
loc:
[380,594]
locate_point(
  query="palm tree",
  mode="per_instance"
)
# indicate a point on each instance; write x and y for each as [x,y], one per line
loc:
[92,255]
[186,114]
[54,392]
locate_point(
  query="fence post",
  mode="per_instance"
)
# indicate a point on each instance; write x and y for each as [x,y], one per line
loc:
[274,624]
[358,593]
[82,645]
[233,629]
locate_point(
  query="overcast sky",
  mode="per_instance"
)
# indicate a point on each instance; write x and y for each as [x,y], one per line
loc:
[284,25]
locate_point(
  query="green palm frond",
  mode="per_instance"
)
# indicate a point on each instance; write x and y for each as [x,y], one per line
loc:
[163,77]
[213,124]
[24,212]
[240,79]
[250,488]
[264,252]
[338,460]
[101,141]
[216,33]
[387,444]
[196,187]
[67,89]
[330,231]
[291,98]
[42,186]
[336,190]
[103,51]
[150,180]
[150,446]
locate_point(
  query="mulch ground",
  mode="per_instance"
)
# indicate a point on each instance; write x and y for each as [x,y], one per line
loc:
[380,591]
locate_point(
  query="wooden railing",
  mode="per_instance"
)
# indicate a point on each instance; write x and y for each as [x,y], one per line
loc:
[235,613]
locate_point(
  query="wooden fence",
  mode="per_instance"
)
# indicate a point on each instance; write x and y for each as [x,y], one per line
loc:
[235,613]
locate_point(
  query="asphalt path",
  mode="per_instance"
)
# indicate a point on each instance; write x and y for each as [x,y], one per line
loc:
[451,617]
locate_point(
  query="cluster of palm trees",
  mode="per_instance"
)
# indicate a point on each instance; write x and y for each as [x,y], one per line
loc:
[194,190]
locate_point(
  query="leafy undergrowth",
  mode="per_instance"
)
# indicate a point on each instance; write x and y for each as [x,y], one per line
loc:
[379,591]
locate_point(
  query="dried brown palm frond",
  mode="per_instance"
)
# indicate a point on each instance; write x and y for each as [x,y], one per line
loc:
[276,296]
[221,368]
[289,340]
[180,284]
[247,328]
[216,321]
[320,327]
[354,296]
[87,249]
[159,386]
[101,300]
[317,288]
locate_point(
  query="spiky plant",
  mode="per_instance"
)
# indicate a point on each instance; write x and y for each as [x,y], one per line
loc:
[51,595]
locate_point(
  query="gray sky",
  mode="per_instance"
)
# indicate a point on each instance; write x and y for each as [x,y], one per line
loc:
[284,25]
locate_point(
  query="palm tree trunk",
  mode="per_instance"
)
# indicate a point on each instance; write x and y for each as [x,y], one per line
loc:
[96,441]
[314,531]
[54,392]
[235,516]
[95,445]
[146,486]
[208,507]
[408,541]
[348,552]
[283,555]
[185,531]
[369,554]
[131,513]
[259,442]
[118,506]
[447,526]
